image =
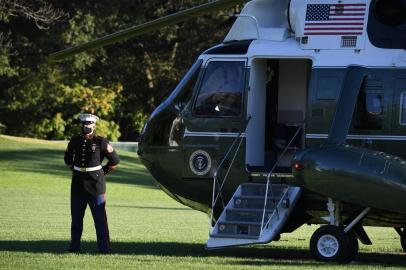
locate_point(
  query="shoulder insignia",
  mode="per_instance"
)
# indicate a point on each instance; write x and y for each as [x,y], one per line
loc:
[110,148]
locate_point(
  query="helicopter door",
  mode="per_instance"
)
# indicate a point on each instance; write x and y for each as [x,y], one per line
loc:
[277,104]
[215,118]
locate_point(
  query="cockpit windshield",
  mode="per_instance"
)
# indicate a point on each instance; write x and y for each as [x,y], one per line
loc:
[183,92]
[221,89]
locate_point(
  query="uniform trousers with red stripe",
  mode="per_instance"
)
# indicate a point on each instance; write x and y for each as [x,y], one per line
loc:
[97,206]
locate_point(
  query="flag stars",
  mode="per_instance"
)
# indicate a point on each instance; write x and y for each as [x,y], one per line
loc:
[319,12]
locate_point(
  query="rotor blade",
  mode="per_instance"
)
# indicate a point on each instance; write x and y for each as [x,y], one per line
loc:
[146,27]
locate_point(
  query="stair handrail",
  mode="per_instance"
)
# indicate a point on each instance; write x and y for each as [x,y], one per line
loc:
[268,180]
[215,181]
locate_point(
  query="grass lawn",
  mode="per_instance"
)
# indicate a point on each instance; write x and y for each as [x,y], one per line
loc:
[148,229]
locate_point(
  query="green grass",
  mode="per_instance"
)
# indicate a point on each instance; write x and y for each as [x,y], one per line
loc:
[148,229]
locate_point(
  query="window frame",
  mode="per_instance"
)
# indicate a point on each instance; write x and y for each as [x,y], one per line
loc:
[244,87]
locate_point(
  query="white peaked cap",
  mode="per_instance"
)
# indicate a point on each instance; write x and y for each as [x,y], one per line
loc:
[86,117]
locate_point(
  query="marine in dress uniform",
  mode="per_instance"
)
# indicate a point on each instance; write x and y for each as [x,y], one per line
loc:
[84,156]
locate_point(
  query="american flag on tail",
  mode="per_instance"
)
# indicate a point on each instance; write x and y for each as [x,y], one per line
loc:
[335,19]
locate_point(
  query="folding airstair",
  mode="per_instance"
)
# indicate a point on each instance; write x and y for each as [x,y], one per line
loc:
[257,212]
[254,215]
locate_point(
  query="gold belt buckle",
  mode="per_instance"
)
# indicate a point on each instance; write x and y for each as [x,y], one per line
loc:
[83,169]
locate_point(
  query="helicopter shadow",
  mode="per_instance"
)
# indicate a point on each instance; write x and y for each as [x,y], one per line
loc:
[246,255]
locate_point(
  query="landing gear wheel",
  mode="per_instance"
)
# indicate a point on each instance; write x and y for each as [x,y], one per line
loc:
[331,244]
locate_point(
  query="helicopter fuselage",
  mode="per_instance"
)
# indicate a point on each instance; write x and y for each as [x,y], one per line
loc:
[280,87]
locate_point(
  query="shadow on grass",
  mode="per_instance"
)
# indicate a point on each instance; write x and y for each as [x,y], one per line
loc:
[246,255]
[50,162]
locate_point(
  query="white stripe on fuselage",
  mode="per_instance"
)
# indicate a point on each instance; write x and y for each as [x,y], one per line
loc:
[212,134]
[308,136]
[360,137]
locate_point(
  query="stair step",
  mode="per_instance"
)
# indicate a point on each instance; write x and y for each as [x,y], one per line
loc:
[246,215]
[251,223]
[215,235]
[259,190]
[239,228]
[249,210]
[254,202]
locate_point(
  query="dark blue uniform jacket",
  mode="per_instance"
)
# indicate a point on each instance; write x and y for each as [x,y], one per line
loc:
[85,153]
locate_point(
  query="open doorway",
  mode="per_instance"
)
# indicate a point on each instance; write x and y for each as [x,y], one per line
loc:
[277,103]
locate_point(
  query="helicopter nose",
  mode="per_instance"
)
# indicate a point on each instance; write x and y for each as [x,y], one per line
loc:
[163,130]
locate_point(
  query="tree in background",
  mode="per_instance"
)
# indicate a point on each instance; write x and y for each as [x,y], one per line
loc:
[121,83]
[23,72]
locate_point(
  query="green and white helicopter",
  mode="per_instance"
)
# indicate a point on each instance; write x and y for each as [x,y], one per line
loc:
[298,117]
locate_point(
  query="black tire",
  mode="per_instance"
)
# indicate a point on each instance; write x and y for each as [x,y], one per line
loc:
[403,241]
[331,244]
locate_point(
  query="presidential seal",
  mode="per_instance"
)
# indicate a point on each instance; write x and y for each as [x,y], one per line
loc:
[200,162]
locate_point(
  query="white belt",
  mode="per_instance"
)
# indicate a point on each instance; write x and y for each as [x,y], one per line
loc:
[90,169]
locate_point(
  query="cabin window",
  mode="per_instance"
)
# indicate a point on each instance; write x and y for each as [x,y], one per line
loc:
[328,87]
[221,89]
[369,110]
[403,108]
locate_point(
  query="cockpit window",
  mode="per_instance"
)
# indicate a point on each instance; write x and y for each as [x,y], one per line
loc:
[221,89]
[183,91]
